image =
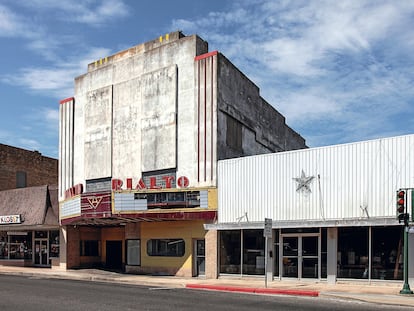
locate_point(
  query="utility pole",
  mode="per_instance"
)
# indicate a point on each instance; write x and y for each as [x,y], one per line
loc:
[406,287]
[406,290]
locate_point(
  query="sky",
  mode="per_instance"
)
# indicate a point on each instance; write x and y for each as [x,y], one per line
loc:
[339,71]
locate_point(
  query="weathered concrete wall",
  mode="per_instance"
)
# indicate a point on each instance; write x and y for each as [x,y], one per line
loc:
[263,128]
[168,104]
[146,119]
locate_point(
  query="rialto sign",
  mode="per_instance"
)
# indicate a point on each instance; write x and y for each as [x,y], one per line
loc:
[167,182]
[10,219]
[153,182]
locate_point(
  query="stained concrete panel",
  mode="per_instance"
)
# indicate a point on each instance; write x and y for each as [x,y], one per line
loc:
[158,123]
[127,129]
[97,127]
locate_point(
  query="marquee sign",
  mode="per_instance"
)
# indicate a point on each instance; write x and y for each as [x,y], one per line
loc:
[152,183]
[10,219]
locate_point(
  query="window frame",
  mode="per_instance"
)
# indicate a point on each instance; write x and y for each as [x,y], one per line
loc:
[167,247]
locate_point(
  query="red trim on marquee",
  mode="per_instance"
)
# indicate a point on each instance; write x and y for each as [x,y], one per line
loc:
[63,101]
[202,56]
[121,218]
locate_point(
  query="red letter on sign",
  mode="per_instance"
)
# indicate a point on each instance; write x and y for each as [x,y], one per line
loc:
[168,180]
[183,182]
[116,184]
[153,183]
[129,183]
[141,185]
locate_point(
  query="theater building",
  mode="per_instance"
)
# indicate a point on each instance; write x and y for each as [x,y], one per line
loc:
[331,212]
[139,146]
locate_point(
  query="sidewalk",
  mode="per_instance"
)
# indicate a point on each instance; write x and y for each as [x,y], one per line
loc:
[376,292]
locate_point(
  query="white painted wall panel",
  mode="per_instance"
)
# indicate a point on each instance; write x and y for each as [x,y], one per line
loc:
[350,181]
[70,208]
[204,199]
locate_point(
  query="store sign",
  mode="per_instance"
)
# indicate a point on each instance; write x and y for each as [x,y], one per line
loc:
[10,219]
[167,182]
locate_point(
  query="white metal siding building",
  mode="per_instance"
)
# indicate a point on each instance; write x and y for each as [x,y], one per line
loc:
[327,188]
[347,182]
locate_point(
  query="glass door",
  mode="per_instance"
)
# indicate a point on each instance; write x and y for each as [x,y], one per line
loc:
[200,257]
[310,257]
[290,257]
[300,256]
[41,253]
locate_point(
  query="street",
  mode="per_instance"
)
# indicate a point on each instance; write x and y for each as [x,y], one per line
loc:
[33,293]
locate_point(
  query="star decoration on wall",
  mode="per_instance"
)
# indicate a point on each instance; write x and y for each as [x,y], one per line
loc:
[304,183]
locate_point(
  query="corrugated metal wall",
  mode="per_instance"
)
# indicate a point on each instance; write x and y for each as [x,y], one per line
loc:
[350,181]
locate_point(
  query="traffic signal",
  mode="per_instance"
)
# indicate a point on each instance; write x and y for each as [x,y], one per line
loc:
[401,205]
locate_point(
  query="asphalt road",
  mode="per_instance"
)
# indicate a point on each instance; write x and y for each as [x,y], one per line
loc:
[28,293]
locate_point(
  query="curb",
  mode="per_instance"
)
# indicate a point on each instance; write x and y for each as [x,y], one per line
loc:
[252,290]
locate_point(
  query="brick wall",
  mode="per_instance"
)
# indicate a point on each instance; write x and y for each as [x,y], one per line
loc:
[211,254]
[40,170]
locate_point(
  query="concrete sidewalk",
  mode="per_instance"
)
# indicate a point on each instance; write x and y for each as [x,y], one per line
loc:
[376,292]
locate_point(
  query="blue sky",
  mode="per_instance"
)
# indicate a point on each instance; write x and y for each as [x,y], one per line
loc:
[339,71]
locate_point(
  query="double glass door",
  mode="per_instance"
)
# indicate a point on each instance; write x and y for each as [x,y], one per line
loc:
[300,256]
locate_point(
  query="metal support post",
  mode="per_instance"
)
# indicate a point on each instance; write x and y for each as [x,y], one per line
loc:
[406,287]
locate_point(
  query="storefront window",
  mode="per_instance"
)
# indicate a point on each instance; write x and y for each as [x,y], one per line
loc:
[387,253]
[54,244]
[253,252]
[20,245]
[166,247]
[230,252]
[353,253]
[4,253]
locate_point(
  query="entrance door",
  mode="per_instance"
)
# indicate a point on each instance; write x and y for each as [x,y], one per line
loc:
[200,257]
[300,256]
[41,253]
[114,255]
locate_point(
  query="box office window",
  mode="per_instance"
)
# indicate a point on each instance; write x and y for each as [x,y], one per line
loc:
[133,249]
[89,248]
[166,247]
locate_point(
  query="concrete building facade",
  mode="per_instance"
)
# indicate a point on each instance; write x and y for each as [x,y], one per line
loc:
[139,146]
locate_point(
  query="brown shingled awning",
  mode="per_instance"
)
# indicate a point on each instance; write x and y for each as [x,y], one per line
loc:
[37,207]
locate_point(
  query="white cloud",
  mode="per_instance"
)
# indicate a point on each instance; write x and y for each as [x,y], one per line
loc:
[56,80]
[321,63]
[14,25]
[87,12]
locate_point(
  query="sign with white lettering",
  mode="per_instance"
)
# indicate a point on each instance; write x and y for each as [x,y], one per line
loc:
[267,233]
[10,219]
